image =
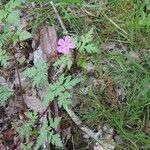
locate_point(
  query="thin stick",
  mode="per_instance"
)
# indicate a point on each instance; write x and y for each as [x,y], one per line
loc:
[116,24]
[18,75]
[88,131]
[58,17]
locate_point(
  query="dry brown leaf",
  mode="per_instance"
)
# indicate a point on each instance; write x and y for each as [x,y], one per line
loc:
[147,129]
[48,42]
[23,22]
[33,102]
[135,55]
[14,106]
[111,91]
[2,147]
[8,135]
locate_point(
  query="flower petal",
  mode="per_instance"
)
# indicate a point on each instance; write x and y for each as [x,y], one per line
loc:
[61,42]
[66,52]
[67,39]
[71,45]
[63,49]
[60,49]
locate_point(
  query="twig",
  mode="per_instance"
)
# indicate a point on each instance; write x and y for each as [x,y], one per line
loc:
[58,17]
[116,24]
[18,75]
[87,130]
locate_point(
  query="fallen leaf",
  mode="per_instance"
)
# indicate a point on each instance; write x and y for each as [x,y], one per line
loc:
[111,92]
[135,55]
[32,101]
[8,135]
[38,54]
[14,106]
[48,42]
[147,129]
[109,46]
[23,22]
[2,80]
[2,147]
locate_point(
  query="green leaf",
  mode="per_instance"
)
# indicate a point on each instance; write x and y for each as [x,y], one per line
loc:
[5,93]
[64,61]
[38,73]
[59,90]
[69,84]
[14,18]
[24,35]
[32,116]
[91,48]
[3,14]
[12,4]
[41,138]
[48,98]
[54,122]
[3,58]
[64,99]
[42,135]
[87,37]
[56,140]
[26,147]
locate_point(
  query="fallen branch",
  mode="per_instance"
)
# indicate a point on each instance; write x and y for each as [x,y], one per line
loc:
[88,131]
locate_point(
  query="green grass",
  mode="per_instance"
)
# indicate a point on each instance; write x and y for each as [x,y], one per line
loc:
[124,22]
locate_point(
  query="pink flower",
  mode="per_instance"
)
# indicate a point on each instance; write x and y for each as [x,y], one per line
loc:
[65,44]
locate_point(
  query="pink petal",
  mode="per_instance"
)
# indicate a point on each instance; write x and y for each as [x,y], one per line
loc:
[67,39]
[71,45]
[66,52]
[63,49]
[60,49]
[61,42]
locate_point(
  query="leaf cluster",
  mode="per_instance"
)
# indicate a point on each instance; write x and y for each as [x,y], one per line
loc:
[85,43]
[5,93]
[47,131]
[60,89]
[38,73]
[10,23]
[64,61]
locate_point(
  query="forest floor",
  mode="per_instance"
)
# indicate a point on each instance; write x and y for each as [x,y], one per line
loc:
[104,91]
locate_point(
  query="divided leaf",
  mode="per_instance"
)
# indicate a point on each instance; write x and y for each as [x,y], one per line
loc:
[85,43]
[5,93]
[47,131]
[48,98]
[38,73]
[64,99]
[55,139]
[54,122]
[64,61]
[69,84]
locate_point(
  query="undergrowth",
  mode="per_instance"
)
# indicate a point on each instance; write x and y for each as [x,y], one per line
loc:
[92,23]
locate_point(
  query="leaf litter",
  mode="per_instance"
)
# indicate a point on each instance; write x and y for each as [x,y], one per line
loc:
[33,97]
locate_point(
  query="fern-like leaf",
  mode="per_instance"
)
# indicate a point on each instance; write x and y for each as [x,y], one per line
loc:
[5,93]
[55,139]
[38,73]
[64,61]
[64,99]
